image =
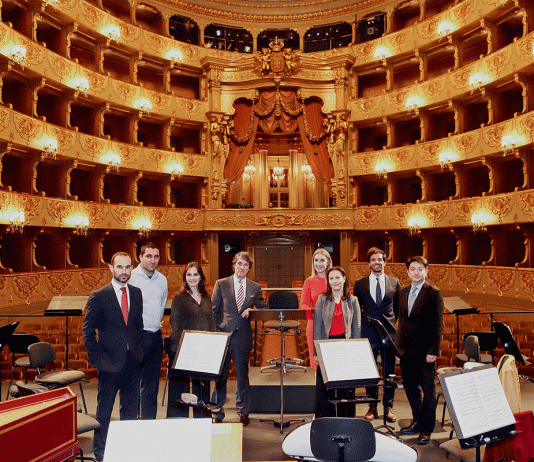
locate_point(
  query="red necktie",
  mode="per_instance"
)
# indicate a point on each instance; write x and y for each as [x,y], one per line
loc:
[124,304]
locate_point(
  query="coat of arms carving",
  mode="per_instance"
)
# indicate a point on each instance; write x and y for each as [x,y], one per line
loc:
[276,61]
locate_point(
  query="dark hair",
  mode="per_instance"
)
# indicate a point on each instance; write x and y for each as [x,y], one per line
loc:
[119,254]
[329,292]
[147,245]
[201,283]
[242,256]
[418,259]
[374,250]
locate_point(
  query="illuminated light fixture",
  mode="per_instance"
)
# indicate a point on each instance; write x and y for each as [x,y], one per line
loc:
[113,160]
[145,225]
[278,173]
[81,84]
[144,105]
[413,102]
[175,56]
[18,54]
[50,2]
[307,172]
[16,219]
[414,225]
[111,31]
[446,158]
[479,220]
[478,80]
[176,170]
[81,224]
[50,148]
[249,172]
[508,143]
[381,53]
[444,28]
[381,169]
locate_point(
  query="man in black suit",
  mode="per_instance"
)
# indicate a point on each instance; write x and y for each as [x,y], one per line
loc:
[378,296]
[419,338]
[232,300]
[116,312]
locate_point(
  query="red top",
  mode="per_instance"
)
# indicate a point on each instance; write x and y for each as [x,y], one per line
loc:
[312,288]
[338,323]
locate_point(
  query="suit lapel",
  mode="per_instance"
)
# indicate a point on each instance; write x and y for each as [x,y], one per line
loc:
[114,302]
[418,303]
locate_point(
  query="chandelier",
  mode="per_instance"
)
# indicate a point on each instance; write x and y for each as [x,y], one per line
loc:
[278,174]
[81,226]
[249,171]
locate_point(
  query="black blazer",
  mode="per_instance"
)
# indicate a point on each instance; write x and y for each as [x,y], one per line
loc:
[104,315]
[420,333]
[227,317]
[387,312]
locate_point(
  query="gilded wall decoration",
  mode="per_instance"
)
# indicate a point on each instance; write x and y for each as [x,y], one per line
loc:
[129,154]
[327,219]
[428,29]
[4,119]
[401,157]
[190,106]
[463,210]
[524,48]
[26,285]
[278,221]
[65,5]
[28,128]
[439,275]
[368,104]
[95,212]
[526,125]
[4,199]
[66,139]
[124,214]
[503,280]
[368,216]
[90,280]
[59,283]
[5,35]
[527,278]
[93,146]
[468,278]
[463,10]
[191,217]
[398,98]
[496,62]
[398,39]
[526,203]
[493,135]
[276,61]
[500,206]
[126,92]
[97,82]
[159,101]
[34,53]
[435,87]
[430,151]
[129,33]
[364,50]
[62,68]
[467,143]
[399,215]
[95,16]
[159,216]
[59,210]
[158,43]
[32,206]
[459,80]
[159,158]
[435,212]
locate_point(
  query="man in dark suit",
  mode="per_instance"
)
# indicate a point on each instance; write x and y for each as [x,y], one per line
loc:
[419,338]
[116,312]
[232,300]
[378,296]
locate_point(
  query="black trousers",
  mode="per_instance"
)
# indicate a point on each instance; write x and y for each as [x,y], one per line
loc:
[388,364]
[419,380]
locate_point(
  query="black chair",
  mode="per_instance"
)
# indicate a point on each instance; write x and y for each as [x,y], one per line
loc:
[18,345]
[42,354]
[487,341]
[283,300]
[341,439]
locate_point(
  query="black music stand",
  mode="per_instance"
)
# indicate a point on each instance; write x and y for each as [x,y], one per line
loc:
[387,342]
[6,332]
[280,315]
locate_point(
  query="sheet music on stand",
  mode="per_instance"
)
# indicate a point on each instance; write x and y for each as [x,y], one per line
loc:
[477,405]
[67,305]
[347,363]
[201,354]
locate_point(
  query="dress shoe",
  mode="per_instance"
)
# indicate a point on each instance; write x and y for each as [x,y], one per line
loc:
[390,416]
[217,420]
[424,438]
[243,418]
[412,429]
[371,413]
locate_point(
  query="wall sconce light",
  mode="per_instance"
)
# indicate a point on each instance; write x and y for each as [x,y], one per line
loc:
[508,143]
[381,53]
[18,54]
[175,56]
[176,170]
[479,220]
[145,226]
[414,225]
[50,148]
[307,172]
[81,84]
[113,160]
[111,31]
[249,172]
[16,219]
[381,169]
[81,224]
[144,105]
[446,158]
[444,28]
[478,80]
[414,102]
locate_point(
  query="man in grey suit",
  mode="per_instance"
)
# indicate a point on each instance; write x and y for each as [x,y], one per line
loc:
[116,312]
[232,300]
[378,295]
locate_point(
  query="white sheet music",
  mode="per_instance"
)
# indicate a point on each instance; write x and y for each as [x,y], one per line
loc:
[201,352]
[347,359]
[479,402]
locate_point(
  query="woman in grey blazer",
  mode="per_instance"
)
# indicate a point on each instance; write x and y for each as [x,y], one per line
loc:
[337,316]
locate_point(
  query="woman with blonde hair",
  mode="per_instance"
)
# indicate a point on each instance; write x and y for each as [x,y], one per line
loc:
[314,286]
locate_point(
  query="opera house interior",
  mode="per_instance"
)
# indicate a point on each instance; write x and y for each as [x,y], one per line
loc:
[213,127]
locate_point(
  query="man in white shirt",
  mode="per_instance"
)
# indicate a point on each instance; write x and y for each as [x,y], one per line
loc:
[154,287]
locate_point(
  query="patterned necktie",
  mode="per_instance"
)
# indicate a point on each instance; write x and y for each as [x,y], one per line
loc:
[124,304]
[378,296]
[411,298]
[240,295]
